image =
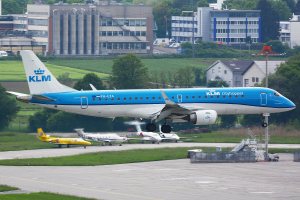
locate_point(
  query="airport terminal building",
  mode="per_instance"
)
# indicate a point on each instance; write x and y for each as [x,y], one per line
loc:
[91,29]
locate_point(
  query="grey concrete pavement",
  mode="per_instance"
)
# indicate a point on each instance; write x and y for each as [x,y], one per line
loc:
[164,180]
[55,152]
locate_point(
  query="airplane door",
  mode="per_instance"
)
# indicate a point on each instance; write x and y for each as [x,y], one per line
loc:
[179,98]
[84,102]
[263,99]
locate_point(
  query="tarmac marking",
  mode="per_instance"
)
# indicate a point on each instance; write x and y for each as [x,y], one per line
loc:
[261,192]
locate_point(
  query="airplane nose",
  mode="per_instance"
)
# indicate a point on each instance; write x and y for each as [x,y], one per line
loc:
[291,104]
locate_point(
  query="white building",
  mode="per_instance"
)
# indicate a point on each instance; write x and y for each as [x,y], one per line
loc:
[229,71]
[290,31]
[38,23]
[295,31]
[257,72]
[285,32]
[241,73]
[230,27]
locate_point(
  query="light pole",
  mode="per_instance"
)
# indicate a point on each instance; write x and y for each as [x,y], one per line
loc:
[267,51]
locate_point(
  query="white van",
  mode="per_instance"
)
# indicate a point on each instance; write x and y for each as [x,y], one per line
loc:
[3,54]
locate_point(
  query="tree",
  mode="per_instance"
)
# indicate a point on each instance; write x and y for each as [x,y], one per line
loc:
[282,10]
[8,108]
[90,78]
[162,13]
[217,83]
[269,21]
[286,80]
[14,6]
[240,4]
[277,46]
[128,72]
[39,119]
[65,79]
[291,4]
[297,8]
[185,77]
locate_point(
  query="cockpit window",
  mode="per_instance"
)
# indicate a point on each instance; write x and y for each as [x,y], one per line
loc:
[276,94]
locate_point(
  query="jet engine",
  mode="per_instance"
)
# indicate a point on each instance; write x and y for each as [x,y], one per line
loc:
[203,117]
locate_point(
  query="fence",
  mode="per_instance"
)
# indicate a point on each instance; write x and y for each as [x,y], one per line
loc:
[223,157]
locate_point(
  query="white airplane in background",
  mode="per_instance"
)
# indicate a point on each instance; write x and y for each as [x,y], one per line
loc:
[105,138]
[146,136]
[168,136]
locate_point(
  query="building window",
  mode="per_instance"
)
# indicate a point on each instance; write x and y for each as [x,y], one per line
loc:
[253,79]
[225,71]
[257,79]
[246,82]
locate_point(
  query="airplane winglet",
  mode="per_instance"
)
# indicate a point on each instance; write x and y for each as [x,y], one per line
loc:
[93,87]
[167,100]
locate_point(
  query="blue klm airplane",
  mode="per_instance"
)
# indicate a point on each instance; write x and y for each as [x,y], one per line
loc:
[200,106]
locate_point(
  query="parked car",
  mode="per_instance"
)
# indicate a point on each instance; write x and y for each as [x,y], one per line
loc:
[3,54]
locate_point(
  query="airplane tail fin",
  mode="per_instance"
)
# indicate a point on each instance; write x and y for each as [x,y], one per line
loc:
[40,79]
[80,132]
[137,125]
[40,134]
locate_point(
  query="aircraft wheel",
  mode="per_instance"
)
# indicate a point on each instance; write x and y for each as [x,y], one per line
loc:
[264,124]
[151,127]
[166,128]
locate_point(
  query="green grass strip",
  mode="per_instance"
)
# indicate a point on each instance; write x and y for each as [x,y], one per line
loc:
[104,158]
[39,196]
[5,188]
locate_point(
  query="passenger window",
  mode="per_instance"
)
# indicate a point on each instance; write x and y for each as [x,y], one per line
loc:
[153,98]
[199,97]
[147,97]
[187,97]
[141,98]
[130,98]
[119,98]
[135,98]
[124,98]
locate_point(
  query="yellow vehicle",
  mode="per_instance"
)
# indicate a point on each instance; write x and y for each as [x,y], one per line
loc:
[61,141]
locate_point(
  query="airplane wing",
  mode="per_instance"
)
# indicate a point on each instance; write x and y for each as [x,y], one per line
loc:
[173,110]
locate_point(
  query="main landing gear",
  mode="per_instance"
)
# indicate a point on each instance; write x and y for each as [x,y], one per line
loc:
[151,127]
[166,128]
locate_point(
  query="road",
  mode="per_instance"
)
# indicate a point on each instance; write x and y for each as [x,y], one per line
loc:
[55,152]
[164,180]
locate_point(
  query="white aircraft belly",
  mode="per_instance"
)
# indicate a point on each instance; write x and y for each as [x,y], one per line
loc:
[147,110]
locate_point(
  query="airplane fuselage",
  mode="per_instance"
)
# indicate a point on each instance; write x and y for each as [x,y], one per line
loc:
[146,102]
